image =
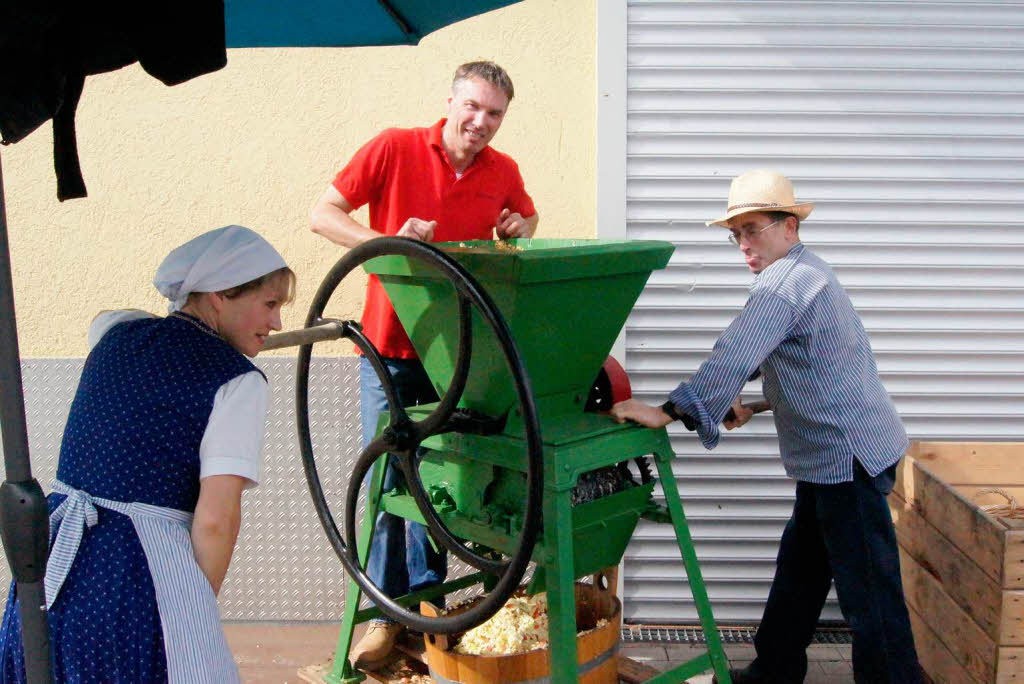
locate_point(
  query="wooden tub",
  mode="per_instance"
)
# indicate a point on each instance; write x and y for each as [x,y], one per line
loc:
[596,649]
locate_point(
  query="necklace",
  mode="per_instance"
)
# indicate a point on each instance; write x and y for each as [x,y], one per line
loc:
[196,322]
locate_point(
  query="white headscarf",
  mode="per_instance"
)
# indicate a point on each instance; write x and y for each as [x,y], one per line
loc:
[215,261]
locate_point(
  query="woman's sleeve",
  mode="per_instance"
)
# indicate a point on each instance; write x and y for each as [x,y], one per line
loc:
[233,441]
[105,320]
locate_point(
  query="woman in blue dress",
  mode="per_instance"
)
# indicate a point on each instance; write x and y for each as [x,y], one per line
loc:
[164,434]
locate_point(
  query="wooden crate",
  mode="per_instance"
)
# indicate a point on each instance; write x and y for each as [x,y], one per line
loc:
[963,569]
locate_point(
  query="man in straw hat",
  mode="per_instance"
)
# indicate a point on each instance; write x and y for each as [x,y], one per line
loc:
[839,436]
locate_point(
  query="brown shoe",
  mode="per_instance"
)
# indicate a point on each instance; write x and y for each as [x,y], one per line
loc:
[376,644]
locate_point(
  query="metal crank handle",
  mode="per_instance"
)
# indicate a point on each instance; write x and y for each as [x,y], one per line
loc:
[755,406]
[331,330]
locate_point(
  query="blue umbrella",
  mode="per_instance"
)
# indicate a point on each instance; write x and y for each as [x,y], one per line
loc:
[342,23]
[247,23]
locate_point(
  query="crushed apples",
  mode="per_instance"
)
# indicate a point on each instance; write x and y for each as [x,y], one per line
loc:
[520,626]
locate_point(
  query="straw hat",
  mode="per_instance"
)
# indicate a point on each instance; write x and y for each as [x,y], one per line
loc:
[762,190]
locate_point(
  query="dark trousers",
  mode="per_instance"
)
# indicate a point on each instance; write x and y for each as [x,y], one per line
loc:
[842,533]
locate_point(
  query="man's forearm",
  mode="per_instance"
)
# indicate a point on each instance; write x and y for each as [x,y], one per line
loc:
[339,227]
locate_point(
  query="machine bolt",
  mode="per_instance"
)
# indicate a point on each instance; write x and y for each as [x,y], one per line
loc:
[398,436]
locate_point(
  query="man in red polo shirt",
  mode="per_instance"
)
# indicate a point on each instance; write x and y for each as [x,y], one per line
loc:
[437,184]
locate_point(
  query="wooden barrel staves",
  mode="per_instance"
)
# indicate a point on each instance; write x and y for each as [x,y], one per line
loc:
[596,648]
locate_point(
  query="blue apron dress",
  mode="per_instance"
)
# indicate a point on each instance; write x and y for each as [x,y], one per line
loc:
[127,600]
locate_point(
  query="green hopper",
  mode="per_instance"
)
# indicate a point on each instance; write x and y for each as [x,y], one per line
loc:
[565,302]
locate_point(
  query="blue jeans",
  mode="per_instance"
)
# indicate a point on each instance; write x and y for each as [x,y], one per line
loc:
[401,557]
[841,532]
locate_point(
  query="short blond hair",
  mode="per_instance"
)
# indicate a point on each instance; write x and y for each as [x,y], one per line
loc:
[486,71]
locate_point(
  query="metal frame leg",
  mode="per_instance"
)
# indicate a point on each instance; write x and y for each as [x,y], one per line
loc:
[558,542]
[719,663]
[343,672]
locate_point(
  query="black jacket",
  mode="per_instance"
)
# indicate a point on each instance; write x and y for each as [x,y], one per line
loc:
[48,47]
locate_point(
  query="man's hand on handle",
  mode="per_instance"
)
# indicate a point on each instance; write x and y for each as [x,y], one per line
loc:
[739,416]
[639,412]
[654,417]
[418,229]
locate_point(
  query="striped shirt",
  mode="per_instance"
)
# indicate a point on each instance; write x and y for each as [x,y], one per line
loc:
[800,333]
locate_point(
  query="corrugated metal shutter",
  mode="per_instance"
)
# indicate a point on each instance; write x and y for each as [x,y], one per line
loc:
[903,120]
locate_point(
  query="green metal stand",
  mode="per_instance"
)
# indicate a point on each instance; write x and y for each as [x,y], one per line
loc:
[342,672]
[566,463]
[560,578]
[565,552]
[715,658]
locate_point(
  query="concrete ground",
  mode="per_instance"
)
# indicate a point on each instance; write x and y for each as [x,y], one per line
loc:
[272,653]
[829,664]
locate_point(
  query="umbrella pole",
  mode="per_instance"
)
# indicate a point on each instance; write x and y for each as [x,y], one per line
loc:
[24,524]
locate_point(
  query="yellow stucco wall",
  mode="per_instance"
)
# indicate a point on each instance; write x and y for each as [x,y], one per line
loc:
[258,141]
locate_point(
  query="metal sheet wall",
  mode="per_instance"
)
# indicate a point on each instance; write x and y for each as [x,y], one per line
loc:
[903,121]
[283,567]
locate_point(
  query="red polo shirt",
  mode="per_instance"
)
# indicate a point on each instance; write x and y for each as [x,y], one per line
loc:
[404,173]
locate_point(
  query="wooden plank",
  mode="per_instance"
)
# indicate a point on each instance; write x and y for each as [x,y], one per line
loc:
[998,552]
[976,533]
[441,641]
[974,591]
[315,674]
[397,670]
[904,486]
[962,637]
[1012,570]
[934,657]
[1011,624]
[1013,559]
[1011,665]
[980,463]
[633,672]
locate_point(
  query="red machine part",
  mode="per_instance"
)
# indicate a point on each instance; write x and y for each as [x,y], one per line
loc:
[617,378]
[610,387]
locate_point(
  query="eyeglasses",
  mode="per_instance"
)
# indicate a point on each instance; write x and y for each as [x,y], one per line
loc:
[736,236]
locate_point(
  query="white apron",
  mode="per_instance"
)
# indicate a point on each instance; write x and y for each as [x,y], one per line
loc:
[197,651]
